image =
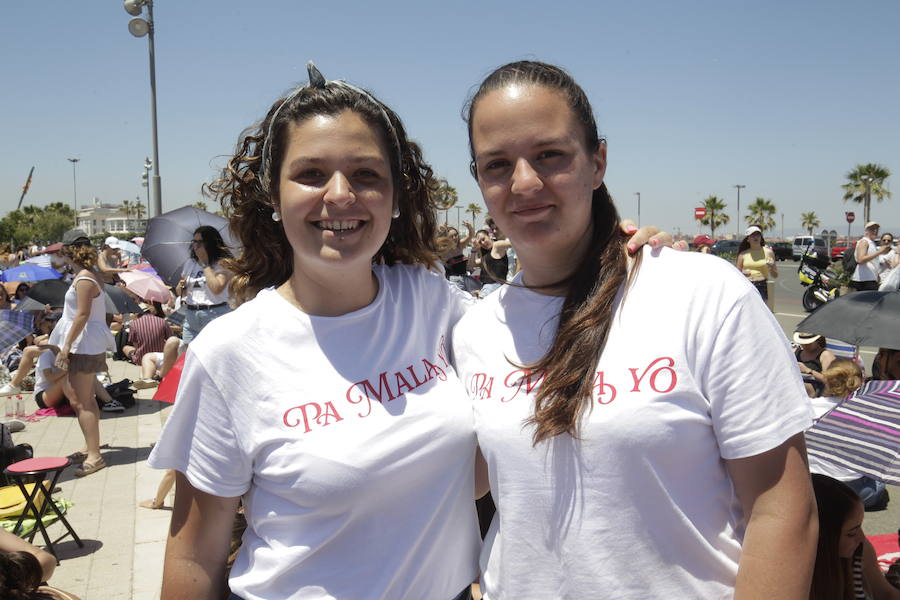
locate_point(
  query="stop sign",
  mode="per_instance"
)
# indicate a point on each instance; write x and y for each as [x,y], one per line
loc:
[699,212]
[850,217]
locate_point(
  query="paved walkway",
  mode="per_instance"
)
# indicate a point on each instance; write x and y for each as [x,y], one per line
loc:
[124,545]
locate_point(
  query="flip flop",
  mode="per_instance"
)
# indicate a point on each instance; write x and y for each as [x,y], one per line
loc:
[151,504]
[88,468]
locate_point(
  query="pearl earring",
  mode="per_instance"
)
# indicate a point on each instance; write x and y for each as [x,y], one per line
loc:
[276,216]
[396,212]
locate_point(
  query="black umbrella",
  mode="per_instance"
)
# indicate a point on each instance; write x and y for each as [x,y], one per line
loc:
[168,239]
[117,300]
[860,318]
[49,291]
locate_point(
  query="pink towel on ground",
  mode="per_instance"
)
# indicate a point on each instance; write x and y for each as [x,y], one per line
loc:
[60,411]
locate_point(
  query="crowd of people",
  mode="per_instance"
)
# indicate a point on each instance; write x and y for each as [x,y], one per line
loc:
[359,381]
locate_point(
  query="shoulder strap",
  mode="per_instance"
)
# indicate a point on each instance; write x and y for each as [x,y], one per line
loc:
[91,279]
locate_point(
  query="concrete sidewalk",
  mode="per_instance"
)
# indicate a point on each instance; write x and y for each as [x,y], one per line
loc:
[122,557]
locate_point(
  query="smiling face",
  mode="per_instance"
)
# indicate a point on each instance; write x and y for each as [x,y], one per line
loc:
[534,171]
[335,192]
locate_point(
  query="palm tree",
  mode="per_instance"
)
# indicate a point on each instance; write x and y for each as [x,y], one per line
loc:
[866,181]
[126,208]
[139,211]
[761,212]
[809,221]
[445,197]
[200,204]
[474,209]
[715,214]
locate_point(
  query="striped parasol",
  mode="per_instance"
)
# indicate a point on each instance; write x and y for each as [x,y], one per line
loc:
[863,432]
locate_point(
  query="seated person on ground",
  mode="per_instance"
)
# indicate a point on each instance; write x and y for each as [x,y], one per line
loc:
[147,333]
[23,568]
[44,324]
[156,365]
[842,378]
[846,565]
[52,388]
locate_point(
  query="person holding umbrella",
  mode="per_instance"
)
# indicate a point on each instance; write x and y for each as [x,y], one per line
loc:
[83,338]
[204,281]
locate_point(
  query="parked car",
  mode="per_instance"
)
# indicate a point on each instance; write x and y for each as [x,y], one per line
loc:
[725,246]
[837,252]
[782,250]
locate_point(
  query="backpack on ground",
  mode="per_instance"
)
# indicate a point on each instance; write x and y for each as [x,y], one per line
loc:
[10,452]
[848,259]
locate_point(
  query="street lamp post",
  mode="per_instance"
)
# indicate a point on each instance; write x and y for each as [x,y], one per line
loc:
[739,188]
[74,161]
[145,176]
[638,194]
[139,28]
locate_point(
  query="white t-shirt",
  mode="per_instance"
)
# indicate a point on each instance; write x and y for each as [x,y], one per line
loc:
[866,271]
[696,371]
[885,262]
[198,292]
[350,438]
[45,361]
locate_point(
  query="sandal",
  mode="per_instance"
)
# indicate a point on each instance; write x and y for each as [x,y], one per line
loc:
[78,457]
[88,468]
[151,504]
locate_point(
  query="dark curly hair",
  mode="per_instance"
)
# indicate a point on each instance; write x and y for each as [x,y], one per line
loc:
[267,258]
[83,255]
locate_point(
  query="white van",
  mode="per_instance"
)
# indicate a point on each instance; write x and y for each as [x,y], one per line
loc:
[802,241]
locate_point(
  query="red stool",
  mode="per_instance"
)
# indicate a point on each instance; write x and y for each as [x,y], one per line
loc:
[38,469]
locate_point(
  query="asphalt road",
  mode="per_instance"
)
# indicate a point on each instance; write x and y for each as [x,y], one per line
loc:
[789,312]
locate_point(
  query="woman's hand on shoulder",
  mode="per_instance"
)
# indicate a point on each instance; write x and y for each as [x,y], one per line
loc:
[647,235]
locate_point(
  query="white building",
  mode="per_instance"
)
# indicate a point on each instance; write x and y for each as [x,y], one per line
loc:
[100,217]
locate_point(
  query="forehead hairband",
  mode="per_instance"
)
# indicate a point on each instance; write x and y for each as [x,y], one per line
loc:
[316,82]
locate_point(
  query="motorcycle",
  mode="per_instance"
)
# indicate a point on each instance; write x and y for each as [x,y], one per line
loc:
[821,283]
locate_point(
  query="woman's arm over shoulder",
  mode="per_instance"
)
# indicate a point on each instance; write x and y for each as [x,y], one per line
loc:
[198,544]
[779,546]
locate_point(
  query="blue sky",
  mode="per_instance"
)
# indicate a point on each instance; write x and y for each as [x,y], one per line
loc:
[694,97]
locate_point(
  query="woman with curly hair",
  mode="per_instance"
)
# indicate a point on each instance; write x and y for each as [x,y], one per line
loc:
[326,399]
[83,338]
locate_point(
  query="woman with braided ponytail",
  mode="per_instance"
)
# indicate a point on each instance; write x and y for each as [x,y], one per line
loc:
[634,447]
